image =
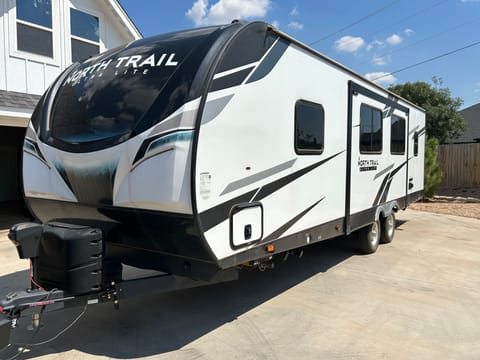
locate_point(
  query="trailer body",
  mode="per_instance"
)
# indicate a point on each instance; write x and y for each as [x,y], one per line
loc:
[201,150]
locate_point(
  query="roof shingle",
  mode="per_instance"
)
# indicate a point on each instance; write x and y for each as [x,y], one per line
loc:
[18,100]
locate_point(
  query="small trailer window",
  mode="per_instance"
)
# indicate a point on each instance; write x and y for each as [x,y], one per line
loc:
[397,136]
[415,144]
[370,130]
[309,127]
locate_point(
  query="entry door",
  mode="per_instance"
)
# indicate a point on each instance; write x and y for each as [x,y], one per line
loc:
[378,167]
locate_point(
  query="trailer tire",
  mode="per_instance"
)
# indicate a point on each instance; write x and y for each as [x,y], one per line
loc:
[388,228]
[369,237]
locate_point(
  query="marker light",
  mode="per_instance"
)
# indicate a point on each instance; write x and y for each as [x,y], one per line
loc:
[270,248]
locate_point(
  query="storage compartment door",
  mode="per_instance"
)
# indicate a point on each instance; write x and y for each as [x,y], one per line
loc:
[246,225]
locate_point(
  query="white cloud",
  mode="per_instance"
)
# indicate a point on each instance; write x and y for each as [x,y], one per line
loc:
[379,60]
[408,32]
[294,11]
[224,11]
[470,1]
[295,25]
[381,78]
[349,43]
[198,11]
[394,39]
[375,43]
[276,24]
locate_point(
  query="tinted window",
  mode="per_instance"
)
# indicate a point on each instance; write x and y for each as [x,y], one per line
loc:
[415,144]
[82,50]
[34,40]
[37,12]
[309,127]
[116,95]
[370,130]
[397,135]
[84,25]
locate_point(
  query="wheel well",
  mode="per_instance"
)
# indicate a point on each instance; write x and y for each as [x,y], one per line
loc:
[386,209]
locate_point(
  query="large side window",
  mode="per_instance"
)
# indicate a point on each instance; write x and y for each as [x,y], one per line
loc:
[84,30]
[34,27]
[309,127]
[370,130]
[397,136]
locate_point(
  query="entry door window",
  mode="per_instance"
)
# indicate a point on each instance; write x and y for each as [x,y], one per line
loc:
[84,29]
[34,27]
[371,135]
[397,136]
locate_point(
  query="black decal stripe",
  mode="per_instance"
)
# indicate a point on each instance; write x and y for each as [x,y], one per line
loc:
[63,175]
[276,185]
[387,189]
[385,186]
[282,229]
[398,169]
[220,213]
[380,191]
[381,172]
[230,80]
[270,60]
[146,143]
[388,101]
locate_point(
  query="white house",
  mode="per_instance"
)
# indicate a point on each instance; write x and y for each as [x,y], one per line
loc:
[41,38]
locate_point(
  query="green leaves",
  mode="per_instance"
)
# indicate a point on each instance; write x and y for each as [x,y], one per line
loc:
[443,122]
[443,119]
[433,171]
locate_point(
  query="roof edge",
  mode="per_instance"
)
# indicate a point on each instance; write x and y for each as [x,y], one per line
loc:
[129,24]
[341,66]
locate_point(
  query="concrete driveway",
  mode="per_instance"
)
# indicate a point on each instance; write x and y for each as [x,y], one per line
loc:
[418,297]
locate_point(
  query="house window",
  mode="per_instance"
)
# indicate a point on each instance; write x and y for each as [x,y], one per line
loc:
[397,136]
[34,27]
[309,127]
[370,130]
[84,29]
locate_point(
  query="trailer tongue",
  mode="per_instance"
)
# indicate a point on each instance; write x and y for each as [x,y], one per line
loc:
[80,277]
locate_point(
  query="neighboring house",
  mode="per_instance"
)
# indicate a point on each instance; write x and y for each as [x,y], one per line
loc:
[40,39]
[472,130]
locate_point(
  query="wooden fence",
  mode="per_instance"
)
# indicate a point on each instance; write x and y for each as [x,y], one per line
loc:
[460,164]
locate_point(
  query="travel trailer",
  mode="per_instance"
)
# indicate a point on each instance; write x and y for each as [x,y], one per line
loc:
[197,152]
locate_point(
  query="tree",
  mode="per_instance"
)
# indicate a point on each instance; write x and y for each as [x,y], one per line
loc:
[443,119]
[433,171]
[443,122]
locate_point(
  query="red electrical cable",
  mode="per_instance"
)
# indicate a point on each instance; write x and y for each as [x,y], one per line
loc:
[31,277]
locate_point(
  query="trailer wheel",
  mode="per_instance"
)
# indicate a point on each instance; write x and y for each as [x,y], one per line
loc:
[388,229]
[369,237]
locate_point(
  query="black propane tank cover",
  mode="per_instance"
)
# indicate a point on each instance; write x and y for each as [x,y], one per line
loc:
[70,257]
[70,245]
[26,237]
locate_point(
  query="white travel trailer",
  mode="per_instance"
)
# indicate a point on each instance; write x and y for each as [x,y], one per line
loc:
[202,150]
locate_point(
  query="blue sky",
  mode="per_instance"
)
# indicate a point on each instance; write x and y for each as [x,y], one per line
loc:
[391,36]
